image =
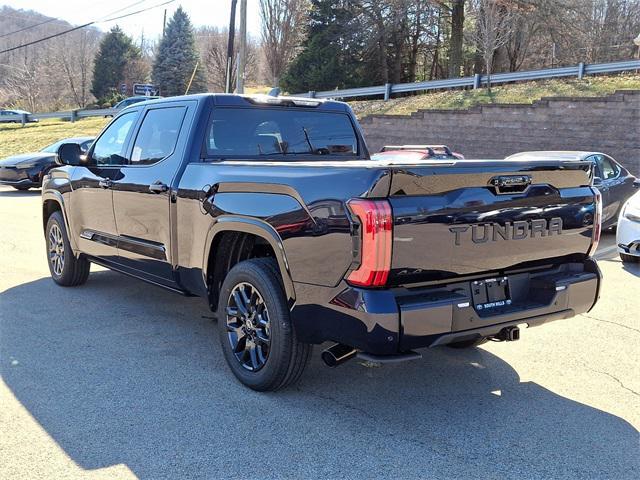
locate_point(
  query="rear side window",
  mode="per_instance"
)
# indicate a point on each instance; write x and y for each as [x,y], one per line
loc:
[256,133]
[158,135]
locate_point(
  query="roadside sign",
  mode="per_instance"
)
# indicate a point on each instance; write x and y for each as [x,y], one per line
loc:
[145,89]
[123,88]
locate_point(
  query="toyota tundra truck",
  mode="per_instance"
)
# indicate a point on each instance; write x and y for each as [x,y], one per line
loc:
[271,209]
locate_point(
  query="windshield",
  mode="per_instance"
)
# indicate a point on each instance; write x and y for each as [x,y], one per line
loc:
[53,148]
[276,132]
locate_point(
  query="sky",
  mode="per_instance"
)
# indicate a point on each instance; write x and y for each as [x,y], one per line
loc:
[202,12]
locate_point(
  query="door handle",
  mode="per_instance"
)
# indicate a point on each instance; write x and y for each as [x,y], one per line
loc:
[158,187]
[105,183]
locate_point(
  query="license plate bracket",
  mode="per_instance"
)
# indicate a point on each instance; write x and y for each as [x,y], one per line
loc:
[490,293]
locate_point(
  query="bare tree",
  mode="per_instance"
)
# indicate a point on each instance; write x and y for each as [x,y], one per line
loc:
[456,38]
[494,23]
[283,23]
[76,57]
[212,45]
[22,84]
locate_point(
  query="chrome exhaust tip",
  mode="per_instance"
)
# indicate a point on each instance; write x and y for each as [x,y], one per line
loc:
[338,354]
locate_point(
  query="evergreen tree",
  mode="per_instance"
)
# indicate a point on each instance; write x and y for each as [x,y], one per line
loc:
[177,57]
[116,51]
[332,53]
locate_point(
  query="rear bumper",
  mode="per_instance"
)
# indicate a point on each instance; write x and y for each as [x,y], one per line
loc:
[389,321]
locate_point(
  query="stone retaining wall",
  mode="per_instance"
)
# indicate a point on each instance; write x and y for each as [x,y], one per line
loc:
[608,124]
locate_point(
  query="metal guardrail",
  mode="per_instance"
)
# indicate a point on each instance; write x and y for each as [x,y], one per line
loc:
[71,115]
[477,81]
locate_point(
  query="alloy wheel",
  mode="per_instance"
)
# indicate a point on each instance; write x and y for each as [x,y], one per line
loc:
[248,328]
[56,249]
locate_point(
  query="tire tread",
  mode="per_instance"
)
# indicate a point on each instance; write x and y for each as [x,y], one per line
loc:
[296,354]
[78,267]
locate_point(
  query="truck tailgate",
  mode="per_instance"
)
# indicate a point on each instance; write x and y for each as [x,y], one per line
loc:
[471,217]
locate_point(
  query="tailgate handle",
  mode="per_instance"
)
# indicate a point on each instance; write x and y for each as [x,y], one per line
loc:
[510,183]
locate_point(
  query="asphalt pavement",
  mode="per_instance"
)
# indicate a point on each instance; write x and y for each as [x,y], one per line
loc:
[121,379]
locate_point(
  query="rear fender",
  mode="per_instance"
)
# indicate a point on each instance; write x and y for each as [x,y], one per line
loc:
[260,229]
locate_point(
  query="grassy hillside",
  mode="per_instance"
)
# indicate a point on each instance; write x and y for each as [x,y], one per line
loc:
[35,136]
[515,93]
[16,139]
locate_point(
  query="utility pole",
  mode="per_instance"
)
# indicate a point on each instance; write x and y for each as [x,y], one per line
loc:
[164,22]
[242,48]
[232,34]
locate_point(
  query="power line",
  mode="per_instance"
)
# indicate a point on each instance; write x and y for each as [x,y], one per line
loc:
[60,20]
[29,27]
[134,13]
[84,26]
[123,8]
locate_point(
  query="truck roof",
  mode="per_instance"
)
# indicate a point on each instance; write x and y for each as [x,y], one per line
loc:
[232,99]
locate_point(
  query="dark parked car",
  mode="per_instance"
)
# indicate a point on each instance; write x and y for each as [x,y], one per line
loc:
[5,114]
[614,181]
[272,211]
[26,170]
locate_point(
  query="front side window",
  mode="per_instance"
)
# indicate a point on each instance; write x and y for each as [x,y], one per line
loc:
[277,132]
[109,149]
[158,135]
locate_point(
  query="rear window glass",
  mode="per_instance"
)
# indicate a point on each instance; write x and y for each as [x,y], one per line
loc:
[279,133]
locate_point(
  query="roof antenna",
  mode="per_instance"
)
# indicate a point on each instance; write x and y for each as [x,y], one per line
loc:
[274,92]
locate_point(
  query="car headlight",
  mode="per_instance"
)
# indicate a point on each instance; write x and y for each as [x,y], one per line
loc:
[632,212]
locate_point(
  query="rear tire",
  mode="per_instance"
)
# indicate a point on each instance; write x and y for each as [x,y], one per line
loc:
[257,336]
[468,343]
[626,258]
[66,269]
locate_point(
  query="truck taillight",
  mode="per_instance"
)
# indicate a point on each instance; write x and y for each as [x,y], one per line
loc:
[376,236]
[597,223]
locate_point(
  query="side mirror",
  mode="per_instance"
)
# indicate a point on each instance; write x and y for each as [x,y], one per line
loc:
[636,183]
[69,154]
[596,180]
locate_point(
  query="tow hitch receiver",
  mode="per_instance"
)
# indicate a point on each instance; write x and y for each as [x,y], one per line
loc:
[509,334]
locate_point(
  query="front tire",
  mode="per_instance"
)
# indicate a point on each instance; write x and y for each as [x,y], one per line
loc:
[22,188]
[626,258]
[256,333]
[66,269]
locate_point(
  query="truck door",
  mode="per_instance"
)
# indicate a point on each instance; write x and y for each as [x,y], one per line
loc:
[142,196]
[91,217]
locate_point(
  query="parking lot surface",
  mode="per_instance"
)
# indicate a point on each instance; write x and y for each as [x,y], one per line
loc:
[120,379]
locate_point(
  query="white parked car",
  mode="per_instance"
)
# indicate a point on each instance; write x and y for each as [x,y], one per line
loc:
[628,233]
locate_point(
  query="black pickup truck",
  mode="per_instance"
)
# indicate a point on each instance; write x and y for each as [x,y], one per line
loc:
[271,209]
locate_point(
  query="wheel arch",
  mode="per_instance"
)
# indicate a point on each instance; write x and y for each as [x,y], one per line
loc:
[256,228]
[53,201]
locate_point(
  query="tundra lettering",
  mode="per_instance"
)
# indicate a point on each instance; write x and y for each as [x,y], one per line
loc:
[519,230]
[272,211]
